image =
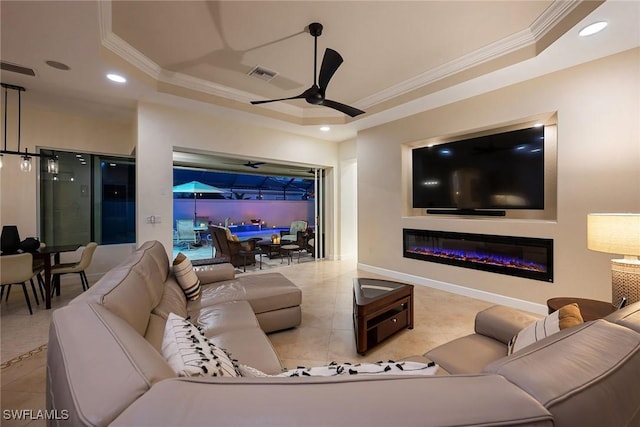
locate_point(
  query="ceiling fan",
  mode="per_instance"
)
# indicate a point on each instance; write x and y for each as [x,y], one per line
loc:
[316,94]
[253,165]
[249,164]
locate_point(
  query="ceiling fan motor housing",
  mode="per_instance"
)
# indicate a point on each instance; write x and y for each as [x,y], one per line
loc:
[315,29]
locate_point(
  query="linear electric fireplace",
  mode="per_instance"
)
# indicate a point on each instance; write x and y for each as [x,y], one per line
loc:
[516,256]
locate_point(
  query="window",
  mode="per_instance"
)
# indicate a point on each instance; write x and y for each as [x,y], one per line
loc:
[91,198]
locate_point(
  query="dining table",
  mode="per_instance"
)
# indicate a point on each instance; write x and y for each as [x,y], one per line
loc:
[45,253]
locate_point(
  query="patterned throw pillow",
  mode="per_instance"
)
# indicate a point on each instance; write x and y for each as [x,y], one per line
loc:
[378,368]
[186,277]
[566,317]
[334,368]
[190,353]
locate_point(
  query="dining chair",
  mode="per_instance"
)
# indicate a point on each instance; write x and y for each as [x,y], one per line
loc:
[79,267]
[38,271]
[16,270]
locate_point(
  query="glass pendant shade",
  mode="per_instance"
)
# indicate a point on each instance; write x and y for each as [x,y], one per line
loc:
[52,165]
[25,164]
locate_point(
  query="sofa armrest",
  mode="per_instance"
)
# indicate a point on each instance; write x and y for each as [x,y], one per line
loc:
[365,401]
[502,323]
[215,272]
[97,364]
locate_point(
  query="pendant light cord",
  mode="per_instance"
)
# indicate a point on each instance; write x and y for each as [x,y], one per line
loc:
[5,118]
[19,117]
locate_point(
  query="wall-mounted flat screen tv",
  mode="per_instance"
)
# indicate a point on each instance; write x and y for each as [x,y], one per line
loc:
[499,171]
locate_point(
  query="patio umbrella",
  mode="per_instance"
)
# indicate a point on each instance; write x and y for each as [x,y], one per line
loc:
[196,187]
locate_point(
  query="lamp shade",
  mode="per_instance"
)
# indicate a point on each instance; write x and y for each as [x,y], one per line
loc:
[615,233]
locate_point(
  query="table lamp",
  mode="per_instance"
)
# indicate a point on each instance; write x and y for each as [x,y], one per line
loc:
[618,233]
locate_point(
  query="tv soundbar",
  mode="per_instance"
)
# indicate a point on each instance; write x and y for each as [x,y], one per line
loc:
[474,212]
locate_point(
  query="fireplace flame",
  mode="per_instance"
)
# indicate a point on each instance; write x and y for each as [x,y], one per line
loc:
[478,258]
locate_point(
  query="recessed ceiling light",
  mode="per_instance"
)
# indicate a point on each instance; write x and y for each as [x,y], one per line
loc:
[116,78]
[590,29]
[325,128]
[538,125]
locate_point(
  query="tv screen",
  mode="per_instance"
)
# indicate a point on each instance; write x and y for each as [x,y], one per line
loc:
[500,171]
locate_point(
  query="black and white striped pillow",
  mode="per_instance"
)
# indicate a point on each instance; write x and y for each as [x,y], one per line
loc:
[186,277]
[190,353]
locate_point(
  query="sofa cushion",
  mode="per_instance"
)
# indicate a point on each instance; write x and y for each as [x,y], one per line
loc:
[467,355]
[215,272]
[173,300]
[132,289]
[278,320]
[155,331]
[186,277]
[265,292]
[628,316]
[189,352]
[249,346]
[227,316]
[587,375]
[565,317]
[502,323]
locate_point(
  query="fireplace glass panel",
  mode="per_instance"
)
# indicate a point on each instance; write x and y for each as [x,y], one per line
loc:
[516,256]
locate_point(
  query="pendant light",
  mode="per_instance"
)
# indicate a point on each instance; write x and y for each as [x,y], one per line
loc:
[26,157]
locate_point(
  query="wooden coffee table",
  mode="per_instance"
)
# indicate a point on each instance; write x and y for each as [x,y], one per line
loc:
[380,309]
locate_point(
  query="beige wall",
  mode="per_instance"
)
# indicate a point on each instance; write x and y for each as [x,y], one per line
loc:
[598,161]
[348,199]
[44,128]
[160,129]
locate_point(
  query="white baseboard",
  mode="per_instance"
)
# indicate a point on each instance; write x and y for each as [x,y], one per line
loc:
[457,289]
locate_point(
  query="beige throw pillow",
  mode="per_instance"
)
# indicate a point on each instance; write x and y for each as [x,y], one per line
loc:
[566,317]
[186,277]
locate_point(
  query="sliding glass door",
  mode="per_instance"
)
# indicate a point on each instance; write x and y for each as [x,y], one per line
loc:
[90,198]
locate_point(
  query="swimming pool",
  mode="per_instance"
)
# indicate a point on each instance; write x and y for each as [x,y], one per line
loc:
[264,234]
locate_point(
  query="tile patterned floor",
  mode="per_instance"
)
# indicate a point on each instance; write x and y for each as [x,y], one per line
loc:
[326,333]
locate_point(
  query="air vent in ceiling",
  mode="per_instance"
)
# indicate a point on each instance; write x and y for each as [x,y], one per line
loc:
[14,68]
[262,73]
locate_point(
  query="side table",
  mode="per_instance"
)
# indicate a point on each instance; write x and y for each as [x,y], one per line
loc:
[589,308]
[288,250]
[253,254]
[380,309]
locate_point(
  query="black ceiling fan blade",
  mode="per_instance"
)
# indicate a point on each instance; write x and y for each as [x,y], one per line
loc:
[301,96]
[330,63]
[346,109]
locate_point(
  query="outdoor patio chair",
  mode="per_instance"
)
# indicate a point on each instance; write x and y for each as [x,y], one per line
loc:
[292,234]
[235,250]
[186,234]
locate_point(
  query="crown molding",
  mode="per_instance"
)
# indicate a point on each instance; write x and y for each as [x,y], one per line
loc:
[124,50]
[557,11]
[554,14]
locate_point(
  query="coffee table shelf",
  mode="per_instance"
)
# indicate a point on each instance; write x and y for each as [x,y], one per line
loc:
[380,309]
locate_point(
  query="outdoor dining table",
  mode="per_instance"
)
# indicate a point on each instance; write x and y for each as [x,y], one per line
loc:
[45,255]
